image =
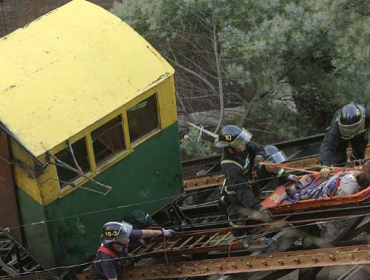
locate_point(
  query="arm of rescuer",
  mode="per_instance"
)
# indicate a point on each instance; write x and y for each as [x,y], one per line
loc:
[147,233]
[256,151]
[328,147]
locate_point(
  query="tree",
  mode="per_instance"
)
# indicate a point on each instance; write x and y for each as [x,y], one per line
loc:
[288,64]
[194,146]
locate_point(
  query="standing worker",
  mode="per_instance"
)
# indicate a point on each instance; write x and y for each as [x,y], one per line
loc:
[238,158]
[350,124]
[116,236]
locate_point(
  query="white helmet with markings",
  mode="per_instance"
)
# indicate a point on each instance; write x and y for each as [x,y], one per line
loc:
[115,232]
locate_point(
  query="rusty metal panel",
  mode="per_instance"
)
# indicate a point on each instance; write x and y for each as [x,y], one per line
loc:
[353,255]
[8,211]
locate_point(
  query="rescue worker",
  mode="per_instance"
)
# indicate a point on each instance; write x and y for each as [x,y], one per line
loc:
[272,176]
[238,158]
[112,253]
[349,125]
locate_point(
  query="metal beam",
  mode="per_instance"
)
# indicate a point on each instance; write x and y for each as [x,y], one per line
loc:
[353,255]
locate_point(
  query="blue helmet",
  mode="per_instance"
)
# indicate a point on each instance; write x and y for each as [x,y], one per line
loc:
[231,136]
[351,120]
[274,154]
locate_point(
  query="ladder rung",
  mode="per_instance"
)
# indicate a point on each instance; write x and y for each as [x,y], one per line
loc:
[196,242]
[151,246]
[223,238]
[186,242]
[212,237]
[173,243]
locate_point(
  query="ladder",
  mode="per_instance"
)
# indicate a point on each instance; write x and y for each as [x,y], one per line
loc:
[208,243]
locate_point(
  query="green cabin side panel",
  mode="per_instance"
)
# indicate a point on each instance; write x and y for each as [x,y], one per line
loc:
[147,179]
[35,230]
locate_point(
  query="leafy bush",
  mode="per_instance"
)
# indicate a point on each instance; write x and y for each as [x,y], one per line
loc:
[194,146]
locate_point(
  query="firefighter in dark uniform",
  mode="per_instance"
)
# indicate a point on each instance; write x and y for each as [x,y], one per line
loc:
[111,255]
[238,158]
[270,176]
[349,126]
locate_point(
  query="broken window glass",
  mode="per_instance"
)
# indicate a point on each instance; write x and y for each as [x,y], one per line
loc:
[108,140]
[65,175]
[143,118]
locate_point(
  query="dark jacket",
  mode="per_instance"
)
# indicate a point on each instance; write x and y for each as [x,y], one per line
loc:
[237,168]
[266,179]
[333,148]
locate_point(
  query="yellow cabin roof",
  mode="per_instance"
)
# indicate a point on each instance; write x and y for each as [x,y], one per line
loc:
[70,68]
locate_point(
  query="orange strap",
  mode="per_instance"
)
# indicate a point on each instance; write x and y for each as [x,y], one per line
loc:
[111,253]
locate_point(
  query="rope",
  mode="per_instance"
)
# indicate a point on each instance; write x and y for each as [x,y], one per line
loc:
[165,251]
[284,166]
[337,183]
[230,246]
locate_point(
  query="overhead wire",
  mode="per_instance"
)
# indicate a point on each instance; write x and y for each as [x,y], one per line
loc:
[90,213]
[108,209]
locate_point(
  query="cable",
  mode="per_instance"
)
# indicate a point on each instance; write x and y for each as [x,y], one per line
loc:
[102,210]
[99,211]
[186,247]
[89,213]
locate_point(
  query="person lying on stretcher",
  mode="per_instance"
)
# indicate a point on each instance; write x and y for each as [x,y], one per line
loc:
[343,183]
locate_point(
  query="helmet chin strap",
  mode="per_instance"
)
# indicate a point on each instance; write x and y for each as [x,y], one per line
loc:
[118,246]
[232,149]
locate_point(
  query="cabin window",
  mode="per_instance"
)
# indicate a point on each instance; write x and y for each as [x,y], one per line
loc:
[108,140]
[65,175]
[143,118]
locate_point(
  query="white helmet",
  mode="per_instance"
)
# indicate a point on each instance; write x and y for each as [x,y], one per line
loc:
[115,232]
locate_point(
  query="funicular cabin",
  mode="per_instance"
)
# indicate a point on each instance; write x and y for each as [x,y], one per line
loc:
[88,130]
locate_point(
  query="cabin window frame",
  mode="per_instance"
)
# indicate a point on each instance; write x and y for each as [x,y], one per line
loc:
[114,153]
[97,168]
[147,134]
[70,181]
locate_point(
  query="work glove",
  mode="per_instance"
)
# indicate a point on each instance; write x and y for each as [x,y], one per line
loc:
[324,172]
[277,226]
[291,177]
[257,159]
[167,232]
[265,215]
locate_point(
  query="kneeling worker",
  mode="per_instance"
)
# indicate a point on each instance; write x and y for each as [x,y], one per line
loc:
[115,239]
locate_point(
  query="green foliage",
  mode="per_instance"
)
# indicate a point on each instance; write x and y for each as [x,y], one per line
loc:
[295,61]
[194,146]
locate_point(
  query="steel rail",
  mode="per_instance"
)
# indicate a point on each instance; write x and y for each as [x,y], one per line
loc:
[351,255]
